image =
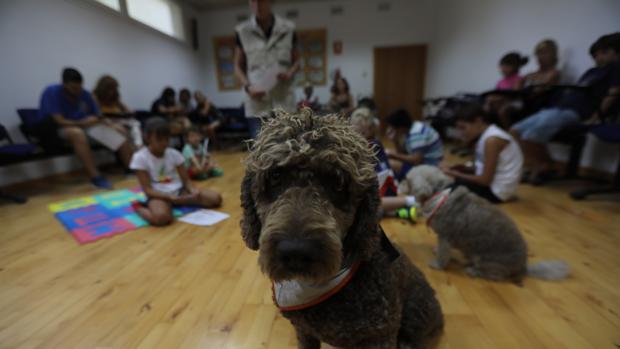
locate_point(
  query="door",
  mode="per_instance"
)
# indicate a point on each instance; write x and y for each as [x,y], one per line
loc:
[399,74]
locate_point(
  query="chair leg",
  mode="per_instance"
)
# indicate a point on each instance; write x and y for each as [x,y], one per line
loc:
[572,168]
[612,189]
[15,198]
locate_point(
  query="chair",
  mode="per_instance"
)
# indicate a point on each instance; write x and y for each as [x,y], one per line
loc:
[12,153]
[235,128]
[42,133]
[609,133]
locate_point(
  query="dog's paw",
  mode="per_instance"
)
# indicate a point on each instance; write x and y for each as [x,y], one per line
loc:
[435,265]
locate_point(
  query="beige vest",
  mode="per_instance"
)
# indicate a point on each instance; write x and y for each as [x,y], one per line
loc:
[261,54]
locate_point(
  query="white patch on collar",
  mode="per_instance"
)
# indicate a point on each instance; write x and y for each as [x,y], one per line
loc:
[295,295]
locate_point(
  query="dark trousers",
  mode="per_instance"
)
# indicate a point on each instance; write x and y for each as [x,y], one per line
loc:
[480,190]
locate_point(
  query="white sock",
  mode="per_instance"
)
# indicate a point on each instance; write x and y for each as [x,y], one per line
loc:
[410,200]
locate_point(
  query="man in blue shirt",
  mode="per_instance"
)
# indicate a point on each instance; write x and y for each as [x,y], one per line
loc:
[74,113]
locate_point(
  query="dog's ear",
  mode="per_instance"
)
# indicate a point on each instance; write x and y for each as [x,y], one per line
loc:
[363,238]
[422,188]
[250,223]
[403,187]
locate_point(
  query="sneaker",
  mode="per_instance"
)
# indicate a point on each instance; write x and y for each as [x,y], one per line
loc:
[216,172]
[410,213]
[101,182]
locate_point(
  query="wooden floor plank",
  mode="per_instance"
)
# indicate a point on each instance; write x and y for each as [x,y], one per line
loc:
[194,287]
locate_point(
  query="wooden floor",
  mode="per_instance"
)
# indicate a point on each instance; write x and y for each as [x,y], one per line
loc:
[190,287]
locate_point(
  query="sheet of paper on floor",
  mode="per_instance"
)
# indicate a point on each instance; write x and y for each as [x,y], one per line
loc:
[204,217]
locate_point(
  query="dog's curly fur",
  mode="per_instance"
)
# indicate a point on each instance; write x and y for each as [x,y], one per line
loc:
[488,238]
[311,177]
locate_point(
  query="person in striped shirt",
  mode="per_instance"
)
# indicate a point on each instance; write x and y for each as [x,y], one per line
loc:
[416,143]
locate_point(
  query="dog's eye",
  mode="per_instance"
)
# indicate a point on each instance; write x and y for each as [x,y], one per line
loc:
[275,177]
[340,183]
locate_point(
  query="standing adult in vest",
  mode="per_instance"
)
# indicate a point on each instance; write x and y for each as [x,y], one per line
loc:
[266,43]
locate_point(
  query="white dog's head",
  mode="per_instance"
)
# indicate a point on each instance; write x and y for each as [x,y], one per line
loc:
[423,181]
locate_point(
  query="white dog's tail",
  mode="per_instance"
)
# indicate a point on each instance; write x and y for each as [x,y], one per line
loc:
[549,270]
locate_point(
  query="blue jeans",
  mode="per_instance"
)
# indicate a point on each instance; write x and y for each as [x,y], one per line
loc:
[542,126]
[254,125]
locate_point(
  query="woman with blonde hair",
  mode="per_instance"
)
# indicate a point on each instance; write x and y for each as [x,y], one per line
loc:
[547,74]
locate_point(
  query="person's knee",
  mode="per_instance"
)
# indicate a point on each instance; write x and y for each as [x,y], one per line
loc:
[212,199]
[161,219]
[75,134]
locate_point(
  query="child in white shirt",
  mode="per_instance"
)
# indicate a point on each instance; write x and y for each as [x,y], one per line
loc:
[163,178]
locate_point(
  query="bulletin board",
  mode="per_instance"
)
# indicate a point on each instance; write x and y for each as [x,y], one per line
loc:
[224,48]
[313,57]
[312,46]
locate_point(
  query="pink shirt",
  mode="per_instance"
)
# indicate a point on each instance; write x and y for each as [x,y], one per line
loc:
[508,83]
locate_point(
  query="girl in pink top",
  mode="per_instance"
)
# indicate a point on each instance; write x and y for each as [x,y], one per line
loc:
[510,65]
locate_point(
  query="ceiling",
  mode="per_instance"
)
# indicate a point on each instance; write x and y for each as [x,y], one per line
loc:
[218,4]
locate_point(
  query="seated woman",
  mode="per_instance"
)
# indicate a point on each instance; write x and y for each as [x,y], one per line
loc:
[114,111]
[535,86]
[498,162]
[599,88]
[208,118]
[415,141]
[166,106]
[341,100]
[547,74]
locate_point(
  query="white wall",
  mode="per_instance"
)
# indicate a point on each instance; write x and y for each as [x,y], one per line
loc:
[469,38]
[39,38]
[360,27]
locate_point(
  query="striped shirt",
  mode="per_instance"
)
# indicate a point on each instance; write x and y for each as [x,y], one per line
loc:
[424,139]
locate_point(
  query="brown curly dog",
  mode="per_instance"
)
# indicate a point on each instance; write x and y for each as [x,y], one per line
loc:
[310,199]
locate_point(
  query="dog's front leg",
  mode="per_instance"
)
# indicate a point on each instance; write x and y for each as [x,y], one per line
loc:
[306,341]
[443,255]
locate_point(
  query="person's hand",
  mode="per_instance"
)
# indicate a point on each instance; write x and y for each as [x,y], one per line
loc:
[186,199]
[285,76]
[90,121]
[593,120]
[445,168]
[120,129]
[389,153]
[254,93]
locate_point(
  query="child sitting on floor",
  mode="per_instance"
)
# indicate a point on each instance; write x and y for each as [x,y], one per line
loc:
[163,177]
[197,159]
[363,120]
[416,143]
[498,162]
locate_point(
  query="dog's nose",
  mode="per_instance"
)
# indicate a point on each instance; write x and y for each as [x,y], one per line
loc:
[297,254]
